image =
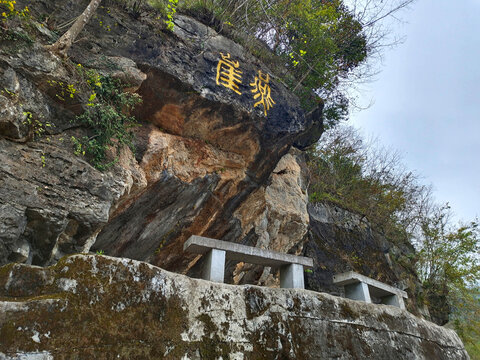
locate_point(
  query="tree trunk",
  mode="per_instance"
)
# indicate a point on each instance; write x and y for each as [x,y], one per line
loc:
[63,44]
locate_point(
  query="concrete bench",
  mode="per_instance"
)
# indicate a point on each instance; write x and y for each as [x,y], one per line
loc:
[360,287]
[217,251]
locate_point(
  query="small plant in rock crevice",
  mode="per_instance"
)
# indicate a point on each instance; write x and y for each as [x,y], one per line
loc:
[36,127]
[7,10]
[36,130]
[171,10]
[65,91]
[106,118]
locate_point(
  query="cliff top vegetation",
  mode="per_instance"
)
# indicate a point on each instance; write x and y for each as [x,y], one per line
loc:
[317,48]
[363,177]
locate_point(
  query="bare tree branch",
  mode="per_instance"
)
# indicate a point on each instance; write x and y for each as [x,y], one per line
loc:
[63,44]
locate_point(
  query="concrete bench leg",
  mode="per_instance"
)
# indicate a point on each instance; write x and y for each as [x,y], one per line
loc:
[358,291]
[214,269]
[291,276]
[394,300]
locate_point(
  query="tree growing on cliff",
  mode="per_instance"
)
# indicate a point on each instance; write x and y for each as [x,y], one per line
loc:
[448,259]
[318,48]
[64,43]
[449,267]
[360,176]
[466,320]
[448,255]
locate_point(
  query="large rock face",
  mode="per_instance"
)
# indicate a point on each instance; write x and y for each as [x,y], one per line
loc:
[208,162]
[205,152]
[340,241]
[99,307]
[45,210]
[51,202]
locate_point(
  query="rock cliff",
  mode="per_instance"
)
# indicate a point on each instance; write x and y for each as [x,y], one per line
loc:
[90,306]
[204,150]
[207,162]
[340,241]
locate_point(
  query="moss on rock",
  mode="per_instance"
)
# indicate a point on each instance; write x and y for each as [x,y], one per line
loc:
[99,307]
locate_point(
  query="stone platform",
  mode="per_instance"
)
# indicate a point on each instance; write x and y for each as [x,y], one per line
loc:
[217,251]
[360,287]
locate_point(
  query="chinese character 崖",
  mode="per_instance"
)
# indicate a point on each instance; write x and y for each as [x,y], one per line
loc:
[228,73]
[262,91]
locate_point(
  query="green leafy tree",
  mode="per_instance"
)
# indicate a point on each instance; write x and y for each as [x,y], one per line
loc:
[465,319]
[449,267]
[323,42]
[448,258]
[448,255]
[316,47]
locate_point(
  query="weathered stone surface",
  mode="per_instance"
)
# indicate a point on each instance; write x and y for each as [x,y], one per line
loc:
[51,202]
[19,97]
[340,241]
[202,149]
[275,216]
[50,206]
[110,308]
[120,68]
[11,119]
[161,211]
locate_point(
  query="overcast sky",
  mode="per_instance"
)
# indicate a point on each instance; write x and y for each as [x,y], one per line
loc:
[427,100]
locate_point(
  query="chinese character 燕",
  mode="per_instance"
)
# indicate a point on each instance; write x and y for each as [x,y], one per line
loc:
[228,73]
[262,91]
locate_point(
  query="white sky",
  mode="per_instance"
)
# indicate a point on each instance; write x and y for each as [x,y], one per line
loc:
[427,100]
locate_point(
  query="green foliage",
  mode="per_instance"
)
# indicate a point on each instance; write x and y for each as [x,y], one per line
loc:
[43,159]
[8,10]
[466,319]
[311,45]
[347,171]
[171,10]
[448,259]
[166,9]
[323,42]
[36,127]
[13,35]
[448,255]
[14,38]
[107,118]
[64,91]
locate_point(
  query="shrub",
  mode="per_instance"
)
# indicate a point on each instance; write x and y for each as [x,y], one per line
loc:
[107,118]
[7,10]
[358,176]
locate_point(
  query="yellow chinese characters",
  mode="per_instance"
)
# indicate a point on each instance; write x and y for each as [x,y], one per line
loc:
[228,73]
[261,89]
